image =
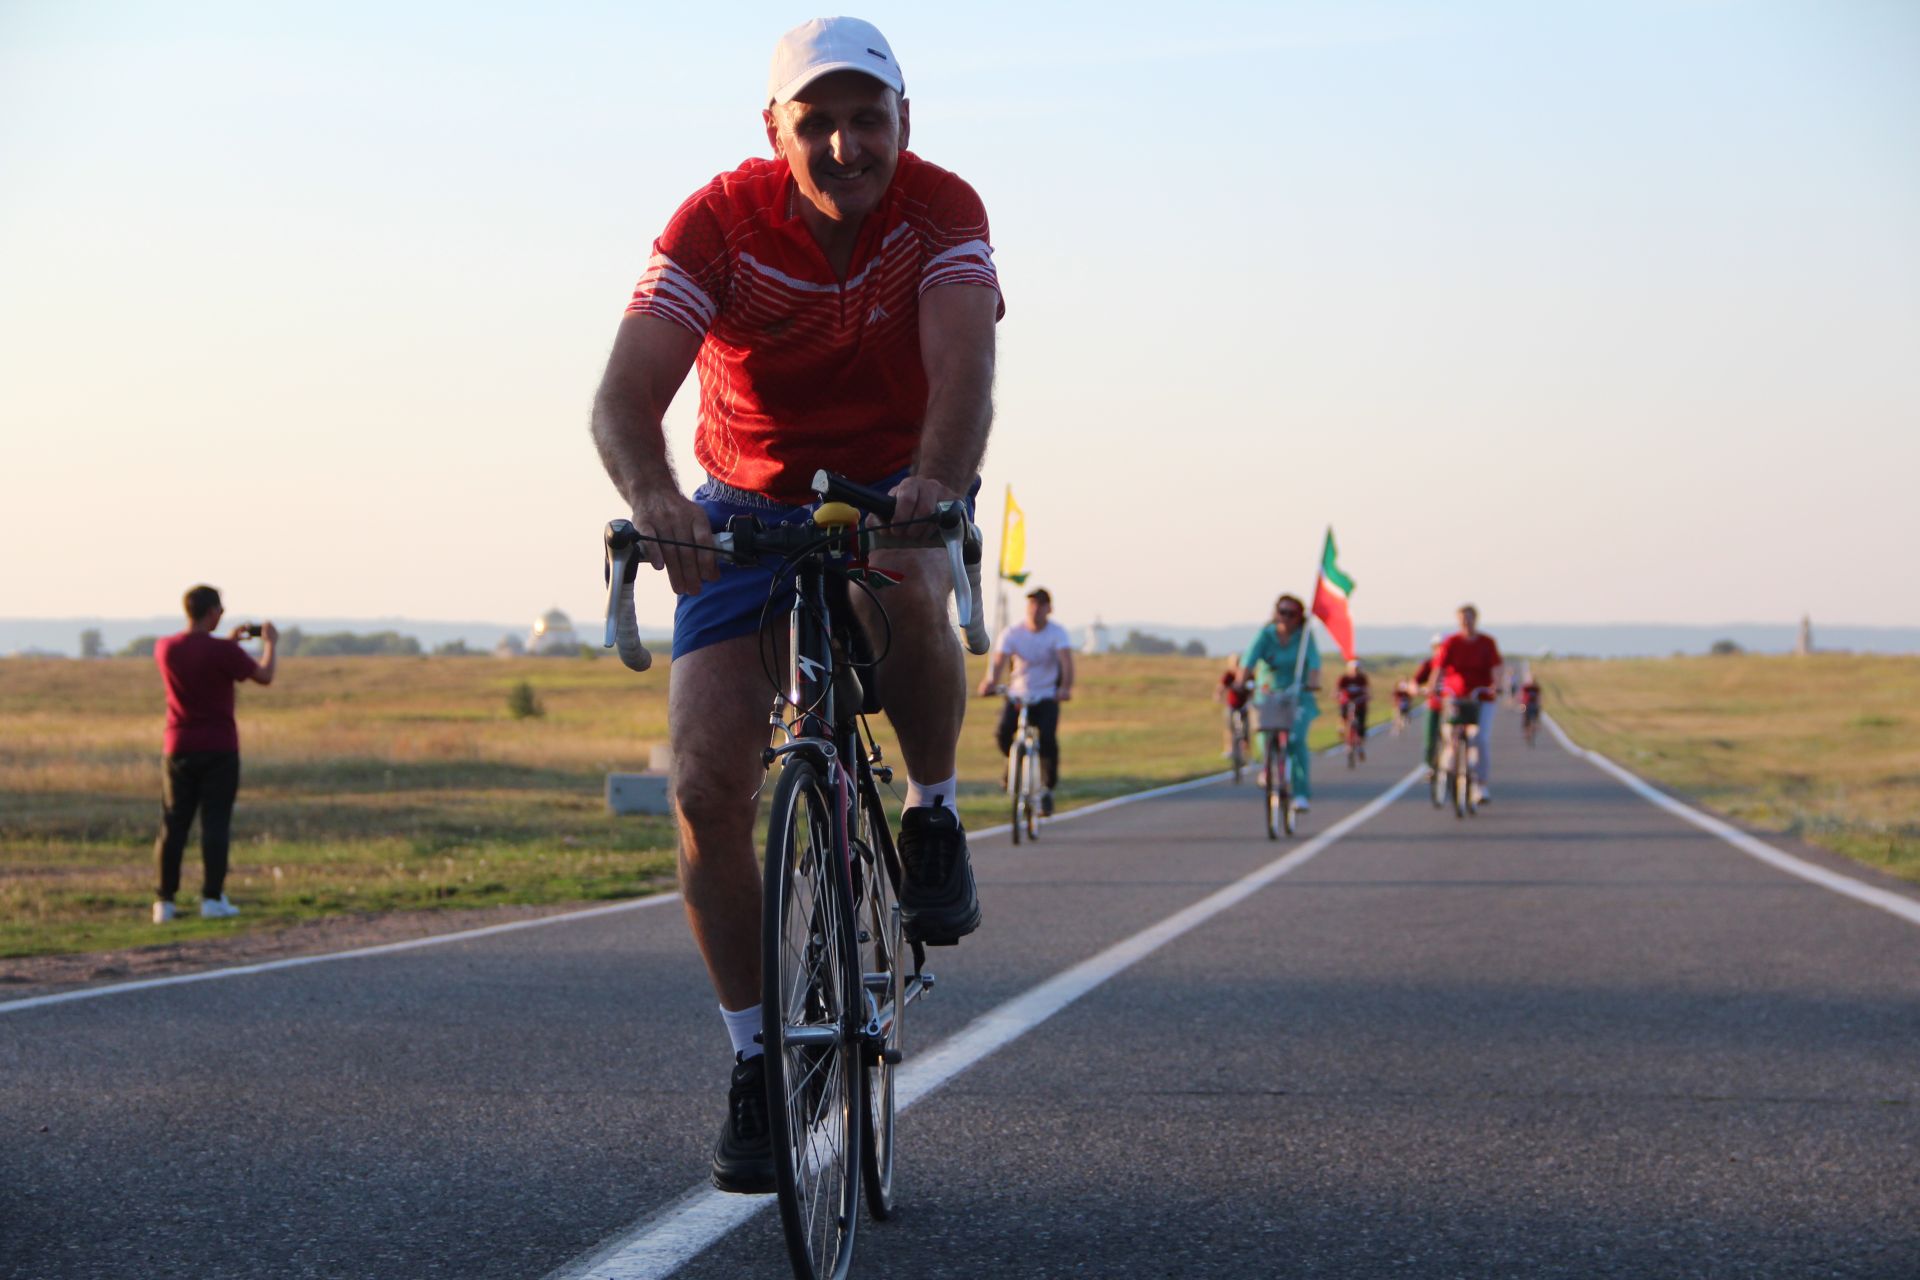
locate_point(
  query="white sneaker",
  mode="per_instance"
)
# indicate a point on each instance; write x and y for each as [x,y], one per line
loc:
[162,912]
[217,908]
[1302,805]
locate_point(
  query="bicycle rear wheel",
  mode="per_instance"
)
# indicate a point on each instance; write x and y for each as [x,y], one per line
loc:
[1238,741]
[883,959]
[1030,793]
[1017,784]
[812,1007]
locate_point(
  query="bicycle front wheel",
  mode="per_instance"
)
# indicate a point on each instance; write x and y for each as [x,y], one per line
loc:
[812,1011]
[1270,782]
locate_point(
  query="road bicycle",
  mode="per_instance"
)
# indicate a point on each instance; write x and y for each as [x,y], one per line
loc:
[1024,781]
[1277,710]
[1460,753]
[1356,734]
[1239,736]
[837,973]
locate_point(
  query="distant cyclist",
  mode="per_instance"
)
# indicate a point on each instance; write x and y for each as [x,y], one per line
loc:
[1270,661]
[1402,705]
[1424,678]
[1468,665]
[1233,693]
[1530,707]
[1355,690]
[1040,653]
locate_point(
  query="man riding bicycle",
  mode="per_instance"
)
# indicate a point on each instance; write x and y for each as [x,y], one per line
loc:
[1040,652]
[1271,659]
[839,302]
[1467,666]
[1354,689]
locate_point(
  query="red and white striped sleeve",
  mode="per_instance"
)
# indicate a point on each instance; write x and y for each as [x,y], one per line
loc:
[954,232]
[686,279]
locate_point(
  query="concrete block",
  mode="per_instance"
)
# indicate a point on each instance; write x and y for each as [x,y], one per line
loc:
[638,793]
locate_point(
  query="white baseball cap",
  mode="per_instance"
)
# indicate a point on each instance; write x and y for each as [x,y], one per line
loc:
[823,45]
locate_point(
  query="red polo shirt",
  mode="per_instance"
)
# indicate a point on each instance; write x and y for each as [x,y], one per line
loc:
[200,670]
[1468,662]
[798,368]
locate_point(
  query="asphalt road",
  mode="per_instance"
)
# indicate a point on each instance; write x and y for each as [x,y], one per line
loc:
[1574,1036]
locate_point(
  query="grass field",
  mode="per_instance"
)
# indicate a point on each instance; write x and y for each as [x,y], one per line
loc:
[379,784]
[1825,748]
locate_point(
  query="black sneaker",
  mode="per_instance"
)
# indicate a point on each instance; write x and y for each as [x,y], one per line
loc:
[938,903]
[743,1158]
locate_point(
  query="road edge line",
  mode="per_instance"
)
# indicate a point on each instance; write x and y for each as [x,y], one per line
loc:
[1872,895]
[321,957]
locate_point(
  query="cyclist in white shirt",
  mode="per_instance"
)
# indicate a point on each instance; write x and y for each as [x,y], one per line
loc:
[1041,654]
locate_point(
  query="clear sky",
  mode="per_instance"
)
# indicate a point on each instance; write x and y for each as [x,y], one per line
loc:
[1589,312]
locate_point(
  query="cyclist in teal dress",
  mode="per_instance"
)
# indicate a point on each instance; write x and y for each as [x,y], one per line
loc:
[1271,659]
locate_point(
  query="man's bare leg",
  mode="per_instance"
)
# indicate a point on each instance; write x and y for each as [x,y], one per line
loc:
[717,722]
[924,677]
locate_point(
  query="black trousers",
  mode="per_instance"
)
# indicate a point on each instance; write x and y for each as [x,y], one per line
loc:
[203,782]
[1043,716]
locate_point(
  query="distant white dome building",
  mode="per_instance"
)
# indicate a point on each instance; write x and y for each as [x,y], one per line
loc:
[553,636]
[1098,641]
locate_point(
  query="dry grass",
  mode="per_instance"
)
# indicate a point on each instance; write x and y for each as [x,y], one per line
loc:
[1825,748]
[373,784]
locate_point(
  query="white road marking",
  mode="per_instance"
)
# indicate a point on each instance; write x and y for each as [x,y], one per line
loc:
[667,1240]
[1906,908]
[294,962]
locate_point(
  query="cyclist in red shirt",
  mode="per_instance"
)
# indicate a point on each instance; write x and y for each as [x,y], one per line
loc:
[1468,663]
[838,301]
[1355,690]
[1423,678]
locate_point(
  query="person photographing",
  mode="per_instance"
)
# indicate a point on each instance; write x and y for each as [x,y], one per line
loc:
[202,746]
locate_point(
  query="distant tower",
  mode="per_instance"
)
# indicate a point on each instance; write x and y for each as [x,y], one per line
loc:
[553,636]
[1097,640]
[1804,644]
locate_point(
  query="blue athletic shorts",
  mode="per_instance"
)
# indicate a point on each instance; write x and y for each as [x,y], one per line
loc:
[733,606]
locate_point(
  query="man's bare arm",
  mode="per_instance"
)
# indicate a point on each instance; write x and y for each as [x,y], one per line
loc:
[1066,674]
[650,360]
[956,345]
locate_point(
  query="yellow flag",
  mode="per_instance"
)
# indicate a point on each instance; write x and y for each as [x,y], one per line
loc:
[1013,542]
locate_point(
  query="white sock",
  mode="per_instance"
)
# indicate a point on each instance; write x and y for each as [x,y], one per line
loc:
[922,793]
[742,1026]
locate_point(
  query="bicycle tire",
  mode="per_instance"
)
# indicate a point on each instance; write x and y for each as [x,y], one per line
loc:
[1283,767]
[1237,745]
[812,1000]
[1017,783]
[1031,792]
[1466,784]
[1270,783]
[883,961]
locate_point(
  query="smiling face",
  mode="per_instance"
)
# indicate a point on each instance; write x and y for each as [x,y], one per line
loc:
[842,137]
